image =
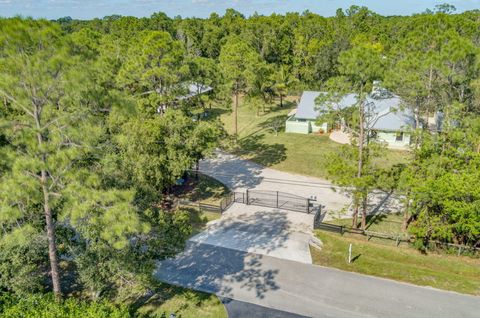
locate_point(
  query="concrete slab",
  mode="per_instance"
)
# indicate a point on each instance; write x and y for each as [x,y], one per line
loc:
[263,231]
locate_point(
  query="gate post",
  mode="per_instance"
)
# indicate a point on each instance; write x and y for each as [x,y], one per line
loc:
[308,206]
[247,198]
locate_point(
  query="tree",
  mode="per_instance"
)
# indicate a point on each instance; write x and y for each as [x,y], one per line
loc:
[283,82]
[360,67]
[444,186]
[238,62]
[36,87]
[204,73]
[153,69]
[156,151]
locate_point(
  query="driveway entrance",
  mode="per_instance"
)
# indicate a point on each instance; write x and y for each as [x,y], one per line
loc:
[261,230]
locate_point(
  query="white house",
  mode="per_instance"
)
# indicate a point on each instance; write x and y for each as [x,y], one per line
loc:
[388,122]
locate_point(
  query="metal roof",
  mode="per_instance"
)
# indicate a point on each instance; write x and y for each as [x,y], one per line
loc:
[387,113]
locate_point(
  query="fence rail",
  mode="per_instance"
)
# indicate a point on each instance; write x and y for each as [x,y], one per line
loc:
[398,238]
[220,207]
[277,199]
[330,227]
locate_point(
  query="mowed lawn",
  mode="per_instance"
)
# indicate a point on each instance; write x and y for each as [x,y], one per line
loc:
[460,274]
[297,153]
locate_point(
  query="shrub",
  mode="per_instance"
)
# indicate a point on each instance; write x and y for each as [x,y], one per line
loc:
[44,306]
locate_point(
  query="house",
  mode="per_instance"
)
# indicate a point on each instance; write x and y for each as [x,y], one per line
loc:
[185,92]
[385,117]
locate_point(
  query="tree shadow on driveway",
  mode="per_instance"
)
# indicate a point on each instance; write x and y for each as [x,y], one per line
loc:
[229,272]
[232,171]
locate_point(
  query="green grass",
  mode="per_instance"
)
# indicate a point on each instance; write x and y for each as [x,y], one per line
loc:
[297,153]
[183,303]
[204,189]
[380,223]
[460,274]
[199,219]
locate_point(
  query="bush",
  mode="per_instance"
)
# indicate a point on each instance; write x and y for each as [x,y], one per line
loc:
[44,306]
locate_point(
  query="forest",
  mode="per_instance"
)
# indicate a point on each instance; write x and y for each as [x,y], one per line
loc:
[93,134]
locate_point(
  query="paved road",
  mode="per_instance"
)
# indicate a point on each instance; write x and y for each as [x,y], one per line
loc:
[241,309]
[239,175]
[305,289]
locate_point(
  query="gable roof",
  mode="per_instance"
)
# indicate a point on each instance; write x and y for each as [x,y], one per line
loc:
[387,110]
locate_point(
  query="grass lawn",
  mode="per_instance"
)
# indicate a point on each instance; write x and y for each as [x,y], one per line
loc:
[460,274]
[183,303]
[380,223]
[297,153]
[202,190]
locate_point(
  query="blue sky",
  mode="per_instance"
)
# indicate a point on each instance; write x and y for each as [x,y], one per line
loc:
[86,9]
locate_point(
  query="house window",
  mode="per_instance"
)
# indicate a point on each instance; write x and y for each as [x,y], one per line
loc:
[399,136]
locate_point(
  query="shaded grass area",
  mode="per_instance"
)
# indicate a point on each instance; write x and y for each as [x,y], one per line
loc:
[203,189]
[199,219]
[181,302]
[460,274]
[297,153]
[381,223]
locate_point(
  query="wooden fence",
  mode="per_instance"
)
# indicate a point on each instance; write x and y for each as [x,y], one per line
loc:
[399,238]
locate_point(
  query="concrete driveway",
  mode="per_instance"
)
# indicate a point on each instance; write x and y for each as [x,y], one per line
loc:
[305,289]
[239,174]
[263,231]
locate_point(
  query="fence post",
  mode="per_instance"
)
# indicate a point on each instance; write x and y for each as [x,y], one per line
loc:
[308,206]
[277,199]
[247,198]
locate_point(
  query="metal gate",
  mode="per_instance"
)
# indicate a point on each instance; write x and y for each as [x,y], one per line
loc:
[276,199]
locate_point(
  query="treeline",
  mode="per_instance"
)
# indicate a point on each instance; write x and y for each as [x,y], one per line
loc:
[86,161]
[430,60]
[93,132]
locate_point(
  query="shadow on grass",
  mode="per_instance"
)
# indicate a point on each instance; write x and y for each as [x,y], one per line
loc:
[203,188]
[260,152]
[374,219]
[216,112]
[275,124]
[355,258]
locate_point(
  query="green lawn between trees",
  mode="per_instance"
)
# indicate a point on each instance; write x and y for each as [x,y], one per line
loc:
[460,274]
[296,153]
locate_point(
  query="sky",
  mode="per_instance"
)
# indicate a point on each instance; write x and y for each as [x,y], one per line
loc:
[87,9]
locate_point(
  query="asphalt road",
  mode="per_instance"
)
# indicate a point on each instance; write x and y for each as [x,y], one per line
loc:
[241,309]
[305,289]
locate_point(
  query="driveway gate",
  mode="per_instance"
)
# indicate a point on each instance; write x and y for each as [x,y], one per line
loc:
[276,199]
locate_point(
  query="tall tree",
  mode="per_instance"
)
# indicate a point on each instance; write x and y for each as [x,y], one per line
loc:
[283,82]
[238,62]
[153,69]
[359,68]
